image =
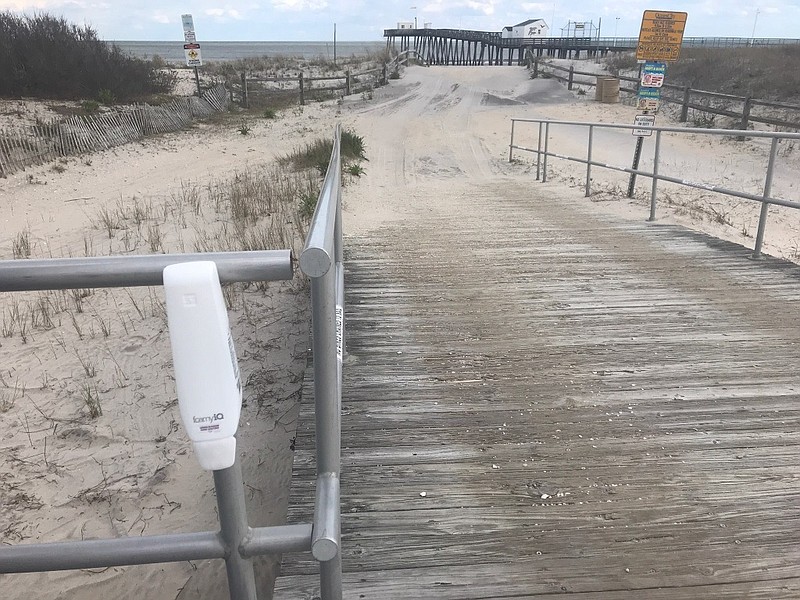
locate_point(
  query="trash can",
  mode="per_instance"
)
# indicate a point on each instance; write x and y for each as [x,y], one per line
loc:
[607,90]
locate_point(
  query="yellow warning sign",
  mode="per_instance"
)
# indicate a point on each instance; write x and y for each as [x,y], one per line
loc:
[661,35]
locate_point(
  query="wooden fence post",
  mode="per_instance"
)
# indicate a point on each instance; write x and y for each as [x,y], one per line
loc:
[384,79]
[745,113]
[302,94]
[685,107]
[571,75]
[244,91]
[347,83]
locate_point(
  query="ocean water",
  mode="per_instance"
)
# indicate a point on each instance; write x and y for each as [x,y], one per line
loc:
[221,51]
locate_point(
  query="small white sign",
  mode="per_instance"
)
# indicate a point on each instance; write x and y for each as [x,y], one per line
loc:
[188,29]
[643,121]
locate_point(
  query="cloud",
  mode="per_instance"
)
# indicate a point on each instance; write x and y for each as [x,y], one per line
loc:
[29,5]
[299,5]
[224,14]
[486,8]
[537,7]
[161,17]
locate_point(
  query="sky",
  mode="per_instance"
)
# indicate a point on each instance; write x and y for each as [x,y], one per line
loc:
[365,20]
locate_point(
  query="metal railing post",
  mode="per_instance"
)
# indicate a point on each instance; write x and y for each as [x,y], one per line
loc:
[233,529]
[511,145]
[589,162]
[322,260]
[762,220]
[653,189]
[546,140]
[539,151]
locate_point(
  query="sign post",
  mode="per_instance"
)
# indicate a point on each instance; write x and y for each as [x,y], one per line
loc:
[191,48]
[660,39]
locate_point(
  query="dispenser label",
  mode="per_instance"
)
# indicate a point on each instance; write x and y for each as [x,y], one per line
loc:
[209,423]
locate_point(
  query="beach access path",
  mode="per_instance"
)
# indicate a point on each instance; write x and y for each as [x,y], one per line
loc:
[542,397]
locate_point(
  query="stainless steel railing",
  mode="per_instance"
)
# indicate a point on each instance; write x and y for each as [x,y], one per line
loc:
[542,152]
[236,542]
[322,261]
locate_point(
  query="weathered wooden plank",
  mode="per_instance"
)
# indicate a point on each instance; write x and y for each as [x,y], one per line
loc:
[597,391]
[503,580]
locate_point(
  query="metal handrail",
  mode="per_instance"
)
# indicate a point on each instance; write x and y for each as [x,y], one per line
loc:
[236,542]
[322,260]
[542,153]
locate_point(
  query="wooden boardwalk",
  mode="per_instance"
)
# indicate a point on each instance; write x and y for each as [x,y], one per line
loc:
[542,401]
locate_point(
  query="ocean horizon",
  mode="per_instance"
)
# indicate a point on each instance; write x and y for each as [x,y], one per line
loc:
[172,51]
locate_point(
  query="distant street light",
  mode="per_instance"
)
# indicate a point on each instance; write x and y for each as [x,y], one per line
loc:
[616,26]
[414,8]
[755,21]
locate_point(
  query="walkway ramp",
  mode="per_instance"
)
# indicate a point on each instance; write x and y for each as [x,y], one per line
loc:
[543,401]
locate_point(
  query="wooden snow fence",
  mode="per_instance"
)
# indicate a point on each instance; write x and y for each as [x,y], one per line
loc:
[48,141]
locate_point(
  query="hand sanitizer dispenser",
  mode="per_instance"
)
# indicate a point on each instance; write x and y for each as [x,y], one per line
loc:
[206,369]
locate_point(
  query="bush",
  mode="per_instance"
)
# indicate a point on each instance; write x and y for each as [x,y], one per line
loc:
[90,106]
[772,72]
[106,97]
[317,155]
[352,146]
[47,57]
[619,62]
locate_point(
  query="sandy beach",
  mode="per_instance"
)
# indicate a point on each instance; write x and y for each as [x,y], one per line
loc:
[70,473]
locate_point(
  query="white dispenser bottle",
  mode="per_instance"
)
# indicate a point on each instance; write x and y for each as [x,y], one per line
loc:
[206,369]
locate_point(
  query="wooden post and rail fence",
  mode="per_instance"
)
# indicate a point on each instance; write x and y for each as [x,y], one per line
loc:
[304,87]
[788,115]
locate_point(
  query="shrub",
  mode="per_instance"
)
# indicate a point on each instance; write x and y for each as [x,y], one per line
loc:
[317,155]
[772,72]
[355,170]
[47,57]
[244,128]
[106,97]
[352,146]
[622,61]
[90,106]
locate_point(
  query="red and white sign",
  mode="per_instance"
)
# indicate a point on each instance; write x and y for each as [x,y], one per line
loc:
[192,52]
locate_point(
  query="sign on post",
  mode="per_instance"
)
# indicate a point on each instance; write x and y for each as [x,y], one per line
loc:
[192,52]
[643,121]
[648,99]
[188,29]
[653,74]
[661,35]
[191,49]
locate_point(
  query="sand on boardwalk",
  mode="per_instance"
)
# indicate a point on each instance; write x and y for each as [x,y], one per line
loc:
[129,471]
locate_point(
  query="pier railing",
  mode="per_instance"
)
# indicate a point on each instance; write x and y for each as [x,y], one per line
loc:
[236,542]
[546,127]
[607,42]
